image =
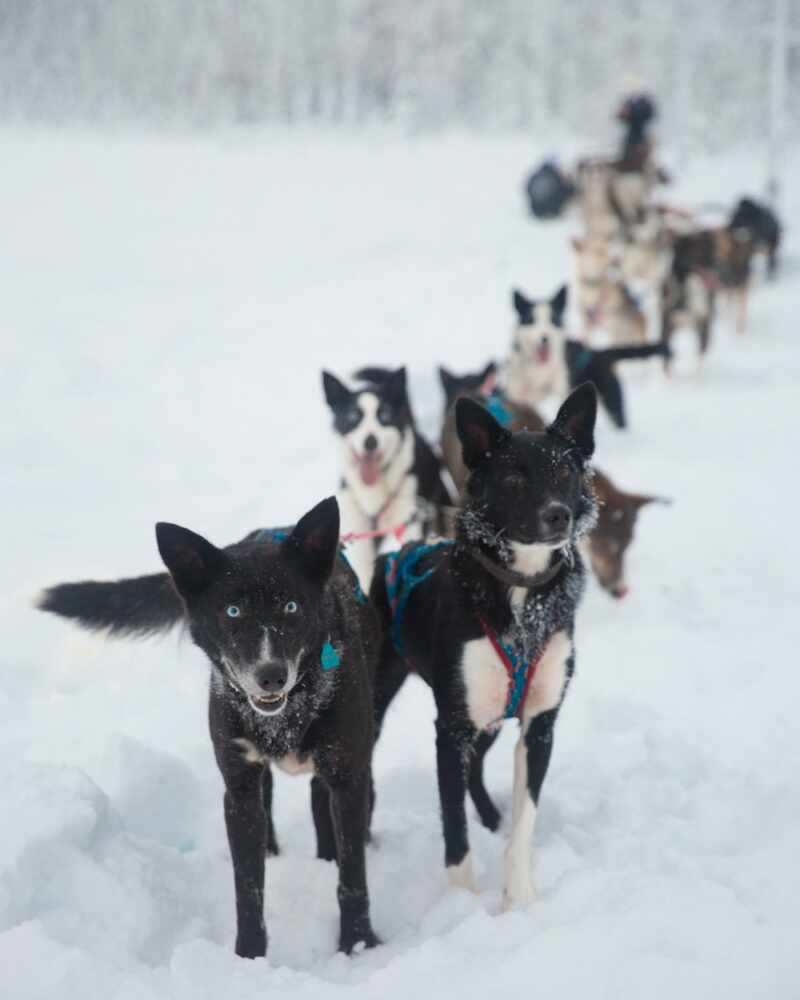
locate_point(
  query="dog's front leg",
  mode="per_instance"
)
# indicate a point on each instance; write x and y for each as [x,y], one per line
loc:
[272,839]
[246,823]
[487,810]
[323,820]
[349,809]
[531,759]
[741,309]
[452,763]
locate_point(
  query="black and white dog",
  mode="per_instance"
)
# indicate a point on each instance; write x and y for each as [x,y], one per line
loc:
[544,361]
[292,642]
[487,620]
[391,479]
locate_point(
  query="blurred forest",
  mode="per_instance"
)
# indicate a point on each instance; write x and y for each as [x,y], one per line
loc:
[424,64]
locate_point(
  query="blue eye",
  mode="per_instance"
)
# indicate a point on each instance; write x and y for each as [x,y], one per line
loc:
[232,611]
[290,608]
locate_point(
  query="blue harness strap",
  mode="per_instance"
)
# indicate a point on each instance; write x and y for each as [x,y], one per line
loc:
[582,359]
[401,579]
[496,405]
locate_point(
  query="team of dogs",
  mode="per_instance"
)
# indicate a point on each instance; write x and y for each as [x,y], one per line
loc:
[309,639]
[634,250]
[311,629]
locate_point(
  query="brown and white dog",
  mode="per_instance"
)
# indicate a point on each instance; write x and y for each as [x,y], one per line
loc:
[646,250]
[604,299]
[688,294]
[594,197]
[613,533]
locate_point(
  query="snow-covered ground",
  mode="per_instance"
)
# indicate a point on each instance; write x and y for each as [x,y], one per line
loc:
[166,307]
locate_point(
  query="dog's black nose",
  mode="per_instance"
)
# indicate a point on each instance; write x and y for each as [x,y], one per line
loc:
[271,677]
[370,442]
[555,518]
[545,341]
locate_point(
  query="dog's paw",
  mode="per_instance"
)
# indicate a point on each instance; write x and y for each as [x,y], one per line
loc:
[461,876]
[490,816]
[518,895]
[358,940]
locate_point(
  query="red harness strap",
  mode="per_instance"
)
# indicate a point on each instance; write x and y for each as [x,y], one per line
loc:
[518,682]
[397,531]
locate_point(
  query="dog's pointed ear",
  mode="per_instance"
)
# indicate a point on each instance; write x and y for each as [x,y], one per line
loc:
[448,382]
[488,379]
[639,500]
[336,393]
[558,304]
[576,418]
[480,434]
[395,386]
[522,305]
[314,541]
[193,562]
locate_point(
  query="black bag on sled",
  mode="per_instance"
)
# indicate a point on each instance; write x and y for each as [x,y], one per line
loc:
[548,191]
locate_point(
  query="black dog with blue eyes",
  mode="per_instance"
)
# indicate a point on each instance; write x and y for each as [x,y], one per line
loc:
[292,643]
[487,620]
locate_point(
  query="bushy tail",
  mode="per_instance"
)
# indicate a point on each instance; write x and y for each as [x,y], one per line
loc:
[632,353]
[141,606]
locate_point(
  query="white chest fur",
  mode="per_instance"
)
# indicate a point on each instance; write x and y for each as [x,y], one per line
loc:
[390,503]
[529,382]
[485,683]
[290,763]
[486,680]
[547,685]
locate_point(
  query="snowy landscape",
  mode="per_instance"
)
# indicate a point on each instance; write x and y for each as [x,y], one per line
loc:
[169,301]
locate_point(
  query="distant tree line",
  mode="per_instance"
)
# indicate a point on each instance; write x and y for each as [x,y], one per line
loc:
[519,64]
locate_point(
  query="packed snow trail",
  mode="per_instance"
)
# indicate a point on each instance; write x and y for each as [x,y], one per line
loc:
[168,305]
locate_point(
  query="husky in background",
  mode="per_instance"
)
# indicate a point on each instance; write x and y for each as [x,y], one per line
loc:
[391,481]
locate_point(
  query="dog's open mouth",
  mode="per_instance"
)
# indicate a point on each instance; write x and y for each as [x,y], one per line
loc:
[268,704]
[369,468]
[543,353]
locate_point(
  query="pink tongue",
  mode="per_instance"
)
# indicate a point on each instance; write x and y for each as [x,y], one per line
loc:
[542,353]
[370,469]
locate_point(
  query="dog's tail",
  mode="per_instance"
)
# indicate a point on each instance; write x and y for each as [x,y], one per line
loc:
[142,606]
[633,353]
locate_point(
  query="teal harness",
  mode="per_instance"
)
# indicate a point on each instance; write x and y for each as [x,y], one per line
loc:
[402,578]
[496,405]
[582,359]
